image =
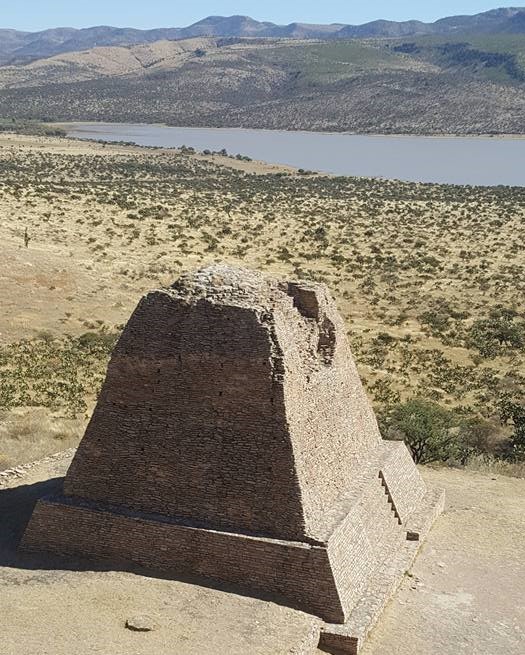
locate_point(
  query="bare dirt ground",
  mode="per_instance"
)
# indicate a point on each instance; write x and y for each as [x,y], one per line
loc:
[464,596]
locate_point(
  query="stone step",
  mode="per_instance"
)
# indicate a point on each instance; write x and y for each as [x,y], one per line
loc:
[348,639]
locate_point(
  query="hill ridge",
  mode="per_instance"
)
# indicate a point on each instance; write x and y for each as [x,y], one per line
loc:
[22,46]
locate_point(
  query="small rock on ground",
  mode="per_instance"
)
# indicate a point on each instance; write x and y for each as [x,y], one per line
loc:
[141,623]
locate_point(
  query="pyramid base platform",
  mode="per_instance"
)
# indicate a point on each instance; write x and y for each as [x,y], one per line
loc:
[293,573]
[346,581]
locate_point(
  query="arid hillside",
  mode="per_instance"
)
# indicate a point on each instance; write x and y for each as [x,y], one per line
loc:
[465,83]
[20,47]
[103,62]
[429,278]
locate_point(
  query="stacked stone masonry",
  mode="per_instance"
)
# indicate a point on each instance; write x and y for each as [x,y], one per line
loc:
[233,439]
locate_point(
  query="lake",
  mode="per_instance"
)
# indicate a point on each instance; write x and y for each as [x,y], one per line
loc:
[485,161]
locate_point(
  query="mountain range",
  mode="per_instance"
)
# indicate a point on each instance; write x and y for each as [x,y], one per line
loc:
[21,47]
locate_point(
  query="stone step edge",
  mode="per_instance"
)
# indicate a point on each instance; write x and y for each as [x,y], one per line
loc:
[348,639]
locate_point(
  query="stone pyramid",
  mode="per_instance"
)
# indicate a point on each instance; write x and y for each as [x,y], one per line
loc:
[233,439]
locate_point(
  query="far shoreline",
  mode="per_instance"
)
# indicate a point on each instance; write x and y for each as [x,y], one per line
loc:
[504,136]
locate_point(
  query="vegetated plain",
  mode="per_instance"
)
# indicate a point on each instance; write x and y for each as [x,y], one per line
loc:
[463,83]
[429,278]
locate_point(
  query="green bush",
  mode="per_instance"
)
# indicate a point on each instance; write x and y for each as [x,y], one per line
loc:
[425,427]
[512,412]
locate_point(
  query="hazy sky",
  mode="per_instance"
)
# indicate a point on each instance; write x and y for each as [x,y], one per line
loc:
[41,14]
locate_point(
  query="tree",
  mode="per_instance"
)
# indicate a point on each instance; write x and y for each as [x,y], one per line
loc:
[475,437]
[426,428]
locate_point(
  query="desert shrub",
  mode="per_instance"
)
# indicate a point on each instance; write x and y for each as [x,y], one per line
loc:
[98,341]
[54,373]
[383,392]
[502,331]
[438,322]
[476,437]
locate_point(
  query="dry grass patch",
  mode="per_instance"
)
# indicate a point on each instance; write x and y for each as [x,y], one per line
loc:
[31,433]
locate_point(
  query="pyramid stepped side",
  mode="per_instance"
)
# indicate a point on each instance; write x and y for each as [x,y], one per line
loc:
[402,481]
[361,543]
[350,637]
[372,527]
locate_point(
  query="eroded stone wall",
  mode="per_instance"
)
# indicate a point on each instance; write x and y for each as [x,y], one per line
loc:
[234,404]
[191,422]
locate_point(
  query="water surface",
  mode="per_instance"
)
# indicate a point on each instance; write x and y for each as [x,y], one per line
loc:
[483,161]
